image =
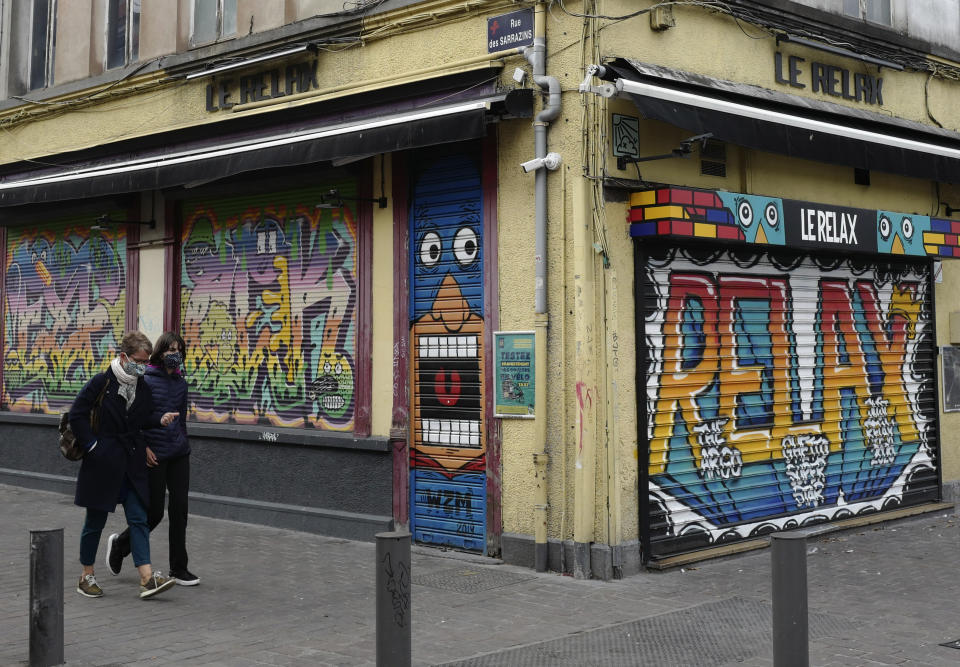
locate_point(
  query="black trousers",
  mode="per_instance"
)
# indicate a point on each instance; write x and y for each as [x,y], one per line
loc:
[170,476]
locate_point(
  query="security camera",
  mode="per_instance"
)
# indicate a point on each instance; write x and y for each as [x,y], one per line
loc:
[551,161]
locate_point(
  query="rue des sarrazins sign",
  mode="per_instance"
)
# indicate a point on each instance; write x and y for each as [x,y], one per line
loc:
[828,79]
[227,92]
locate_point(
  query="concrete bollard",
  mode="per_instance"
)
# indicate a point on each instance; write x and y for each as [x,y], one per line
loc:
[393,600]
[46,597]
[789,573]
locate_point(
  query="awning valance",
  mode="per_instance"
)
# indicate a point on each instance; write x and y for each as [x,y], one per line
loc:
[202,160]
[799,127]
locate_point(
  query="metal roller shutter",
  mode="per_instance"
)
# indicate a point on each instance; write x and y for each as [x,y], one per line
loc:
[65,296]
[783,389]
[448,466]
[269,308]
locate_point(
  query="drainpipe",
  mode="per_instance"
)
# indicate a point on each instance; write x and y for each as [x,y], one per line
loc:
[536,55]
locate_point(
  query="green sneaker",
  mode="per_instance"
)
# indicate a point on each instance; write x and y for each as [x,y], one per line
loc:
[157,583]
[88,587]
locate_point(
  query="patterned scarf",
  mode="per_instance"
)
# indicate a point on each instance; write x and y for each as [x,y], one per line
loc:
[128,383]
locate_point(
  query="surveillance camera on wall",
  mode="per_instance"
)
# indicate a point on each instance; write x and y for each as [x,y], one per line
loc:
[551,161]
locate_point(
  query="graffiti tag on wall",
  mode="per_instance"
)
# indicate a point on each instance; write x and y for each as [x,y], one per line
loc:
[64,311]
[778,396]
[268,303]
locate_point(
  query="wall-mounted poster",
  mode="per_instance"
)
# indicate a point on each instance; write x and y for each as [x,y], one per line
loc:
[513,374]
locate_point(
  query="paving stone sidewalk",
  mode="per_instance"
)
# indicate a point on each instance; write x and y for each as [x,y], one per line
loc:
[881,595]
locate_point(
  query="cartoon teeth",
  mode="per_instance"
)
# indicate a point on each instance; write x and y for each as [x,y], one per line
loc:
[454,432]
[448,347]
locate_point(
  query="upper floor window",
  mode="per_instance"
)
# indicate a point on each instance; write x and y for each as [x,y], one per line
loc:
[213,20]
[31,46]
[875,11]
[123,32]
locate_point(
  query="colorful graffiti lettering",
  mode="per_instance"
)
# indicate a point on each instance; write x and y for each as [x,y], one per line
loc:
[64,312]
[448,481]
[773,395]
[268,300]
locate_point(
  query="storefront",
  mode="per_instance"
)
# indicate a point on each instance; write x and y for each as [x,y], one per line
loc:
[330,273]
[789,363]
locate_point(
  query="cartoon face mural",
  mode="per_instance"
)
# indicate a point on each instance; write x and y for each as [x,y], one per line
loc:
[783,392]
[64,311]
[269,311]
[448,484]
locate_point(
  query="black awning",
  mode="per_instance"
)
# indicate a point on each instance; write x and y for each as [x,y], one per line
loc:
[203,161]
[774,122]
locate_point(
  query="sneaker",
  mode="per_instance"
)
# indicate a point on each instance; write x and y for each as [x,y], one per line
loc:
[157,583]
[88,587]
[114,559]
[184,577]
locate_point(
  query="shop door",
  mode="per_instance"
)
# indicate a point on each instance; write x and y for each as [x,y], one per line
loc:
[448,464]
[782,390]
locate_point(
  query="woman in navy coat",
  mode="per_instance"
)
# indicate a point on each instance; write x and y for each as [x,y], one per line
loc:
[114,468]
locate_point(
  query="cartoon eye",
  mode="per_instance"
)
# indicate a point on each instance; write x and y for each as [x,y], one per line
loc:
[34,257]
[771,215]
[745,213]
[272,238]
[261,243]
[906,226]
[430,249]
[884,228]
[326,367]
[465,245]
[338,369]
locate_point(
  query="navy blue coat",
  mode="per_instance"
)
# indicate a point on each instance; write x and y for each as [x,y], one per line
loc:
[120,452]
[169,395]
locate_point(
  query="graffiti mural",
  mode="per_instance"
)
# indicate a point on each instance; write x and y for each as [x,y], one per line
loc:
[731,217]
[783,390]
[448,480]
[64,311]
[268,311]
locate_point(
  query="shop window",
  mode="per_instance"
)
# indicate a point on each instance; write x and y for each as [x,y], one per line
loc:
[875,11]
[213,20]
[65,294]
[31,47]
[269,308]
[123,32]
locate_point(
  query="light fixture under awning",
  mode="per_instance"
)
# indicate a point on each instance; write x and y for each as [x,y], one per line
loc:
[184,164]
[778,123]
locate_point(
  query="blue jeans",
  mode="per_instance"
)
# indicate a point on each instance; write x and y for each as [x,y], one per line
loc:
[136,515]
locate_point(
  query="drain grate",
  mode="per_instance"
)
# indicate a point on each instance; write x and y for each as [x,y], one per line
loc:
[729,631]
[469,580]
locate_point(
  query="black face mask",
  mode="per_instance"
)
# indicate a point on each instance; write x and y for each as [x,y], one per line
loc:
[172,360]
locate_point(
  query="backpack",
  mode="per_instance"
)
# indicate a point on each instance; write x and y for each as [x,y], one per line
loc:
[69,447]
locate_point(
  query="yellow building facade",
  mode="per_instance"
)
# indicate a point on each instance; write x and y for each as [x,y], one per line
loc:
[583,287]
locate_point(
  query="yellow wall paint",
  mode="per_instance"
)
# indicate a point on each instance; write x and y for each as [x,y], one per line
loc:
[381,394]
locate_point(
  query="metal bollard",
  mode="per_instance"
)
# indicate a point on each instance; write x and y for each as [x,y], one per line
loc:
[46,597]
[393,599]
[789,574]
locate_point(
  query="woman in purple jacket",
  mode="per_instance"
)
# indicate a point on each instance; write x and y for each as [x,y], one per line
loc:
[168,458]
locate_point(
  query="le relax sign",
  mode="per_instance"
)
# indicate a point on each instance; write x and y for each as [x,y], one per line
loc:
[828,79]
[227,92]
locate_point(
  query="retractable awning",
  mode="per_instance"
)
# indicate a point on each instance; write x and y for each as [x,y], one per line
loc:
[201,161]
[775,122]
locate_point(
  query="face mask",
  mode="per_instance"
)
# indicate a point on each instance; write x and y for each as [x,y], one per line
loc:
[131,367]
[172,360]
